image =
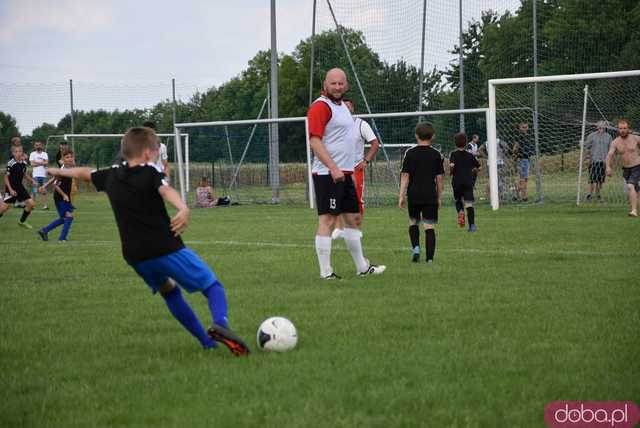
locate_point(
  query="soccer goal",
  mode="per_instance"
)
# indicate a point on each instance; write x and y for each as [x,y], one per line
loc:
[548,120]
[237,156]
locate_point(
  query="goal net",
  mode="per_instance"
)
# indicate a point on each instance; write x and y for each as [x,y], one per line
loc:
[541,127]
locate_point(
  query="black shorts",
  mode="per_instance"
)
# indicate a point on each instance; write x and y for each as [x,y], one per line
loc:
[21,195]
[632,176]
[463,191]
[596,172]
[335,198]
[427,213]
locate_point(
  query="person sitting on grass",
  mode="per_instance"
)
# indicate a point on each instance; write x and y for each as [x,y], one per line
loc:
[151,241]
[62,198]
[205,197]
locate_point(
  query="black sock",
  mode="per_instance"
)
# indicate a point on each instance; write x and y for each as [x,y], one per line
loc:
[471,215]
[25,214]
[430,234]
[414,235]
[459,205]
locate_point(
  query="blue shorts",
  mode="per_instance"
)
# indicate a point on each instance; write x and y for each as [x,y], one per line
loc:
[183,266]
[64,207]
[40,181]
[523,169]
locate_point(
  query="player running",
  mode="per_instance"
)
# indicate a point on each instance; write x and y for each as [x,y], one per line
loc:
[422,181]
[627,146]
[62,197]
[462,167]
[330,128]
[151,241]
[14,189]
[362,134]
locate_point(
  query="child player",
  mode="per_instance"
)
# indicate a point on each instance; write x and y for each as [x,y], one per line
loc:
[62,197]
[151,241]
[462,166]
[422,181]
[14,189]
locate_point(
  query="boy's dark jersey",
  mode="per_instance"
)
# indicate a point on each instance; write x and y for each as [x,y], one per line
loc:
[423,164]
[142,218]
[525,147]
[65,184]
[463,165]
[16,171]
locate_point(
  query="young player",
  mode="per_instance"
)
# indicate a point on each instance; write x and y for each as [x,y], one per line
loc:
[151,241]
[462,166]
[14,189]
[62,198]
[422,181]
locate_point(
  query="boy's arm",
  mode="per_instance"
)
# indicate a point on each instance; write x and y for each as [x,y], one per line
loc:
[61,193]
[180,221]
[612,150]
[404,183]
[440,187]
[81,173]
[8,185]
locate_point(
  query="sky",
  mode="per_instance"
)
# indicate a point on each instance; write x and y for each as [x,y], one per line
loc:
[124,53]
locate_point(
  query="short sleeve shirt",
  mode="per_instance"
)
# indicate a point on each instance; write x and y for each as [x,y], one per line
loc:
[423,164]
[363,134]
[463,165]
[39,171]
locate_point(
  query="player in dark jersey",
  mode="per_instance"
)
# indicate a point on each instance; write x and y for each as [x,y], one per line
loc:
[151,241]
[14,189]
[422,181]
[463,166]
[62,199]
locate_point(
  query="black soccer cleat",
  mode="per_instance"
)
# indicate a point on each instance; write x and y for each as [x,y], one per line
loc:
[229,339]
[43,235]
[332,276]
[415,258]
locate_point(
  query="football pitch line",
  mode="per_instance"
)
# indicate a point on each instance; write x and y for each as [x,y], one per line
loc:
[521,252]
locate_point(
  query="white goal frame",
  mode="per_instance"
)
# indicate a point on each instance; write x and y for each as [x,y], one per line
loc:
[491,116]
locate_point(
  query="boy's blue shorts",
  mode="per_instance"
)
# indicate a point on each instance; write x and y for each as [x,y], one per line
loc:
[64,207]
[183,266]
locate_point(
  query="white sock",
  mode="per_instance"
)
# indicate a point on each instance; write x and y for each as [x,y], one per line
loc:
[337,233]
[323,250]
[354,245]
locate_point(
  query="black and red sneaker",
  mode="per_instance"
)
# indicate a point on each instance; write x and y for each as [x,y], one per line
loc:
[229,339]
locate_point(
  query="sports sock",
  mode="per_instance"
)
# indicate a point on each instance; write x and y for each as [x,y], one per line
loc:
[430,235]
[323,250]
[217,301]
[55,223]
[65,228]
[25,214]
[414,235]
[471,215]
[181,311]
[354,245]
[459,205]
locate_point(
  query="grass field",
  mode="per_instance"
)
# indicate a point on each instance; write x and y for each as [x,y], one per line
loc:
[542,304]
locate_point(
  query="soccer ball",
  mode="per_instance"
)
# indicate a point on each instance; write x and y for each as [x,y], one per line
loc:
[277,334]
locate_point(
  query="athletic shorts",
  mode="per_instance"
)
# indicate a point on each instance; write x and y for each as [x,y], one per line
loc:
[426,213]
[596,172]
[632,176]
[183,266]
[64,207]
[40,181]
[463,191]
[21,195]
[335,198]
[358,177]
[523,169]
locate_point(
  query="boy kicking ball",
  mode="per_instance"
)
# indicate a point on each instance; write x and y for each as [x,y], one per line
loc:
[151,241]
[62,198]
[14,189]
[462,166]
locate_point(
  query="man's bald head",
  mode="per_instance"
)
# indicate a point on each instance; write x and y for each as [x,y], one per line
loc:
[335,84]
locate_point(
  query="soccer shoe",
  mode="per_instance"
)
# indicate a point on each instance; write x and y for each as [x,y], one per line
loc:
[229,339]
[331,276]
[43,235]
[415,257]
[373,270]
[25,225]
[430,262]
[473,228]
[588,196]
[46,208]
[461,218]
[633,214]
[337,234]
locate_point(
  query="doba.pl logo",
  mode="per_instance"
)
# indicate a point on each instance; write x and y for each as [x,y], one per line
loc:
[591,414]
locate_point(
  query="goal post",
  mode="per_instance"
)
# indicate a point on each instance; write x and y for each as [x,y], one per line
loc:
[562,113]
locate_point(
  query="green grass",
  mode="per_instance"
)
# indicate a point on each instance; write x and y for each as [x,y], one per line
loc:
[540,305]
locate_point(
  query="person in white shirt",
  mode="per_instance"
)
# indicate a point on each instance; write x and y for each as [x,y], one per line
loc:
[162,164]
[39,159]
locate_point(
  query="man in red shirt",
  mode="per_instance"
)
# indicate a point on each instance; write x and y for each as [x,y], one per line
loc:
[330,137]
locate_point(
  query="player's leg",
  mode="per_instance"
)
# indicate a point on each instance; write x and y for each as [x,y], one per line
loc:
[469,199]
[28,207]
[327,205]
[43,196]
[67,220]
[414,232]
[4,206]
[44,232]
[338,230]
[430,219]
[458,196]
